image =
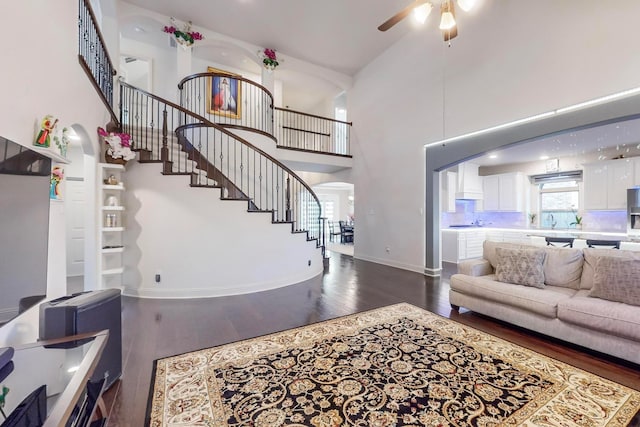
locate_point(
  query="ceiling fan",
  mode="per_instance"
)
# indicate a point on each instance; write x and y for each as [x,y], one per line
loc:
[421,10]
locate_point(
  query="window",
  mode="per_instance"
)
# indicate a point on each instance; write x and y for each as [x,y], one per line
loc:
[559,202]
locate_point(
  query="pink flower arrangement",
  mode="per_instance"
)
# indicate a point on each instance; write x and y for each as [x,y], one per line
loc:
[185,37]
[119,144]
[269,58]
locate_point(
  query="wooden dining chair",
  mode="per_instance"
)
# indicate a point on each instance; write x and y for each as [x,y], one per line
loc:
[332,231]
[346,233]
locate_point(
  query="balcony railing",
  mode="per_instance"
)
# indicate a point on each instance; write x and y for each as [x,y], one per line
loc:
[308,132]
[228,100]
[235,102]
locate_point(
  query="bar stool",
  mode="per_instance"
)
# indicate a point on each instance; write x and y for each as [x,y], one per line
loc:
[613,244]
[564,242]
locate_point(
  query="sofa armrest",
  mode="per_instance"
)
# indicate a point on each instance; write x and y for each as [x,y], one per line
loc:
[475,267]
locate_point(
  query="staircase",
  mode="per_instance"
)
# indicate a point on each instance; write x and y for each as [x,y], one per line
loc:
[186,143]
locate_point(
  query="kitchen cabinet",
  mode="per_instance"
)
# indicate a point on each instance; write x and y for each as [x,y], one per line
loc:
[606,183]
[449,187]
[458,245]
[503,192]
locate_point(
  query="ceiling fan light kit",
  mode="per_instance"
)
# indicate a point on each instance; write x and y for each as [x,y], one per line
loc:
[447,17]
[422,9]
[421,13]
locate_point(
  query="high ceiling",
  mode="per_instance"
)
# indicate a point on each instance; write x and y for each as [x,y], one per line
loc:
[341,35]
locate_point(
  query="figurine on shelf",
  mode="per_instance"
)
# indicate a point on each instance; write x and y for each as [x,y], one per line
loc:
[46,129]
[63,142]
[112,180]
[57,175]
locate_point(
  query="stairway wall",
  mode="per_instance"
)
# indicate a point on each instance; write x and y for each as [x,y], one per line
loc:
[203,246]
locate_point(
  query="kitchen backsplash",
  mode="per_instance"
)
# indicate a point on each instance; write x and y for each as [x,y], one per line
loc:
[605,221]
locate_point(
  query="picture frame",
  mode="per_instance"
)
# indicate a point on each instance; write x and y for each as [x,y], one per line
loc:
[224,94]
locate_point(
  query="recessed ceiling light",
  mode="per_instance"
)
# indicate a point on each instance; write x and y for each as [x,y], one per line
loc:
[493,156]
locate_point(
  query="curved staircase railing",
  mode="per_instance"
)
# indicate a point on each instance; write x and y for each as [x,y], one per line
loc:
[229,100]
[186,143]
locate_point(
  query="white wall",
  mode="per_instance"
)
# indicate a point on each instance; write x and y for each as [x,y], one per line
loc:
[41,75]
[504,65]
[196,243]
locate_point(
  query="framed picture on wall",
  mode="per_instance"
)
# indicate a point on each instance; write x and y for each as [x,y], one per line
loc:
[225,94]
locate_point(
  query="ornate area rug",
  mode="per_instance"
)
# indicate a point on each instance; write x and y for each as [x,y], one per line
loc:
[395,366]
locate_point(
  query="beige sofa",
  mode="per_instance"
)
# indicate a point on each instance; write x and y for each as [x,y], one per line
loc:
[564,305]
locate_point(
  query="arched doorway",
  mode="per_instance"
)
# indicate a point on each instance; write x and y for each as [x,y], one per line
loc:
[338,204]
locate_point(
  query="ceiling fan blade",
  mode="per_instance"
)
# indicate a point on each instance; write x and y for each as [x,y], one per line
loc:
[400,15]
[450,34]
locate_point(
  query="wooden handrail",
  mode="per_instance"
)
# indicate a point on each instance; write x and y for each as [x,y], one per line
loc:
[240,78]
[99,49]
[313,115]
[105,101]
[95,21]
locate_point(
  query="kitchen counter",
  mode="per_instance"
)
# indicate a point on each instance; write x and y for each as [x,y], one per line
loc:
[535,236]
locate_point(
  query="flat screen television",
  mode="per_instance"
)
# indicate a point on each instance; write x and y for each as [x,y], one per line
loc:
[24,226]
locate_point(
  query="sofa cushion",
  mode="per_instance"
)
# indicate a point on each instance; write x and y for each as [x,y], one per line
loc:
[617,279]
[540,301]
[521,266]
[563,267]
[612,317]
[591,256]
[489,250]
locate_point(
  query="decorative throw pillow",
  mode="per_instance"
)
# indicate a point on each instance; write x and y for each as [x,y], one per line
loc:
[617,279]
[520,266]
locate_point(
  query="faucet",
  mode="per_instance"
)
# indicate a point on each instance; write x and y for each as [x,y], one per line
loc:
[553,221]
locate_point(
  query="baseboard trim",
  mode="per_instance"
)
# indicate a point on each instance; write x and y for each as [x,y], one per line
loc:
[433,272]
[409,267]
[185,293]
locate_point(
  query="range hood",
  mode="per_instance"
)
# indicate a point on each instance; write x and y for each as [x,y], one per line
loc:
[469,182]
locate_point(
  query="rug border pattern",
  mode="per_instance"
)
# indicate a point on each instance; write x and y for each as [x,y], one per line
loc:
[557,372]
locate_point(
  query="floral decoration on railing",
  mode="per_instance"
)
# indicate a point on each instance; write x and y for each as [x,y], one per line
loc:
[269,59]
[184,37]
[118,146]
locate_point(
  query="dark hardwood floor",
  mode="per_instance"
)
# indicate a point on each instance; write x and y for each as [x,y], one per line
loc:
[155,328]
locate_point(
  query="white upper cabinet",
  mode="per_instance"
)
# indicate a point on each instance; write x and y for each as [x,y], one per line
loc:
[448,193]
[503,192]
[606,183]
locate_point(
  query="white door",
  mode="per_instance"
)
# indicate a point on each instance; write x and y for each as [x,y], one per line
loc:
[75,228]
